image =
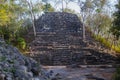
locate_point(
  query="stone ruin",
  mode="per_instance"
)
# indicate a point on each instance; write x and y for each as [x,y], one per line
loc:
[58,22]
[59,41]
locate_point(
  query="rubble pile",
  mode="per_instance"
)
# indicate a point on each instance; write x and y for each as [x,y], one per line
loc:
[15,66]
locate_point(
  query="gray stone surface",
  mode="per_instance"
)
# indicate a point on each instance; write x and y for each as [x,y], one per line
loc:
[57,22]
[15,66]
[64,73]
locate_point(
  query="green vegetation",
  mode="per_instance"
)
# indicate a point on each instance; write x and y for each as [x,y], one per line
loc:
[107,43]
[102,40]
[116,48]
[4,14]
[13,70]
[21,43]
[117,74]
[2,58]
[47,8]
[115,29]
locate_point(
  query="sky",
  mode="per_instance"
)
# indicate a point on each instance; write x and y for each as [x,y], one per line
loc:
[74,6]
[71,5]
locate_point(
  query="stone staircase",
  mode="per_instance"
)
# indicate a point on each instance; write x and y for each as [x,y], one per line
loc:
[62,45]
[67,49]
[57,48]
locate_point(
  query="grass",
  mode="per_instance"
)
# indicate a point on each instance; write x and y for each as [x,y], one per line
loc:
[107,43]
[116,48]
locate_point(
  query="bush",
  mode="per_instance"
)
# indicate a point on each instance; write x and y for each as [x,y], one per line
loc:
[21,44]
[107,43]
[116,48]
[102,40]
[117,74]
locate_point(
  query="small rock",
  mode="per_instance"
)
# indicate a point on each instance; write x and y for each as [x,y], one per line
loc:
[35,71]
[30,74]
[36,79]
[74,66]
[54,79]
[23,68]
[2,76]
[2,40]
[8,78]
[83,66]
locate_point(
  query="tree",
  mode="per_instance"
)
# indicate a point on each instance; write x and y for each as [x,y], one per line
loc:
[4,14]
[89,8]
[115,29]
[47,8]
[38,9]
[30,7]
[85,7]
[101,24]
[8,17]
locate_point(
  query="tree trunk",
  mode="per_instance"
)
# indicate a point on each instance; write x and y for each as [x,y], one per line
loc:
[62,6]
[83,20]
[32,16]
[84,37]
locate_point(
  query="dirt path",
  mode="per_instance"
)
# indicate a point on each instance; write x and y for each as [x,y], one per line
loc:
[64,73]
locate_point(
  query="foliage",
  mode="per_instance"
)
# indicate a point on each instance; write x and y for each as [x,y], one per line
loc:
[100,23]
[47,8]
[11,20]
[21,44]
[4,14]
[107,43]
[116,48]
[115,29]
[117,74]
[100,4]
[102,40]
[2,58]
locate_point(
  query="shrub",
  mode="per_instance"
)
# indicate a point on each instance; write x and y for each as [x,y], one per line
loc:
[106,43]
[102,40]
[21,44]
[117,74]
[116,48]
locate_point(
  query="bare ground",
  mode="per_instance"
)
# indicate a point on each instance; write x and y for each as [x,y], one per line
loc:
[64,73]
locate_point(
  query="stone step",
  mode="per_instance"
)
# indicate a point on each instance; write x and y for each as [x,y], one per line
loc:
[59,42]
[58,49]
[58,33]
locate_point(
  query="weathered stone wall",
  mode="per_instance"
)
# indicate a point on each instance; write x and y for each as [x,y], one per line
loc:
[58,22]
